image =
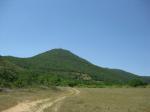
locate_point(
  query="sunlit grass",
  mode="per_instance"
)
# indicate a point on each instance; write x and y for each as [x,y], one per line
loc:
[109,100]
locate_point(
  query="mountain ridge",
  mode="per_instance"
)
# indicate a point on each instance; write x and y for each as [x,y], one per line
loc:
[65,66]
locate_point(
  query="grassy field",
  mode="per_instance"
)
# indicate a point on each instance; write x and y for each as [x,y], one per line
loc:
[10,99]
[109,100]
[88,100]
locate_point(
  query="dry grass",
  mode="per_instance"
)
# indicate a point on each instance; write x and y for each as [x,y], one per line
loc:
[9,99]
[109,100]
[89,100]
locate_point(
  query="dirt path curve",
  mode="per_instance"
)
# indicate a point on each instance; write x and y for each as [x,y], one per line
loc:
[41,105]
[57,105]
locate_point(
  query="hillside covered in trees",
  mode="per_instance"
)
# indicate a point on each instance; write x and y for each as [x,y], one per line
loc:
[59,67]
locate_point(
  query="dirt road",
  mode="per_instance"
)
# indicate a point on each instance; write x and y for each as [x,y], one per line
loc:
[42,104]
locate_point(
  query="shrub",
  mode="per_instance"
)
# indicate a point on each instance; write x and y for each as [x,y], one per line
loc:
[136,82]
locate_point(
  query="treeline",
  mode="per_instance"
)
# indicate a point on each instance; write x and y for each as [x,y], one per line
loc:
[61,68]
[10,78]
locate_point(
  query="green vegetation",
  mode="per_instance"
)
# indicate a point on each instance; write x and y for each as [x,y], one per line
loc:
[136,82]
[60,67]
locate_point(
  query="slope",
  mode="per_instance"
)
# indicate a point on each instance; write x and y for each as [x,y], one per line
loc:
[66,65]
[8,72]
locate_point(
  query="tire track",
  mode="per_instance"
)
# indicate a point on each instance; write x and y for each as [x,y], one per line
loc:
[41,105]
[73,92]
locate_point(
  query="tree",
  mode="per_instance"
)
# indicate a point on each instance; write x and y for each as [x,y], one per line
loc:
[136,82]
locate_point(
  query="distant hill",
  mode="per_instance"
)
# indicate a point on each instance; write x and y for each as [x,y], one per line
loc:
[61,67]
[146,78]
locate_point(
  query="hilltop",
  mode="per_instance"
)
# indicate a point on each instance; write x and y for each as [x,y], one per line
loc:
[62,67]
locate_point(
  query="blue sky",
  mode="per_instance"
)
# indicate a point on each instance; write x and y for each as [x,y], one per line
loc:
[108,33]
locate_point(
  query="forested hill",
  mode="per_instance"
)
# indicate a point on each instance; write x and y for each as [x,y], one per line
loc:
[58,67]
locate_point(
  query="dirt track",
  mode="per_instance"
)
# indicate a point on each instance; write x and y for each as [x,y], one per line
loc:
[42,104]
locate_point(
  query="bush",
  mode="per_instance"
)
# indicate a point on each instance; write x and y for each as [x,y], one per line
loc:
[136,82]
[72,84]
